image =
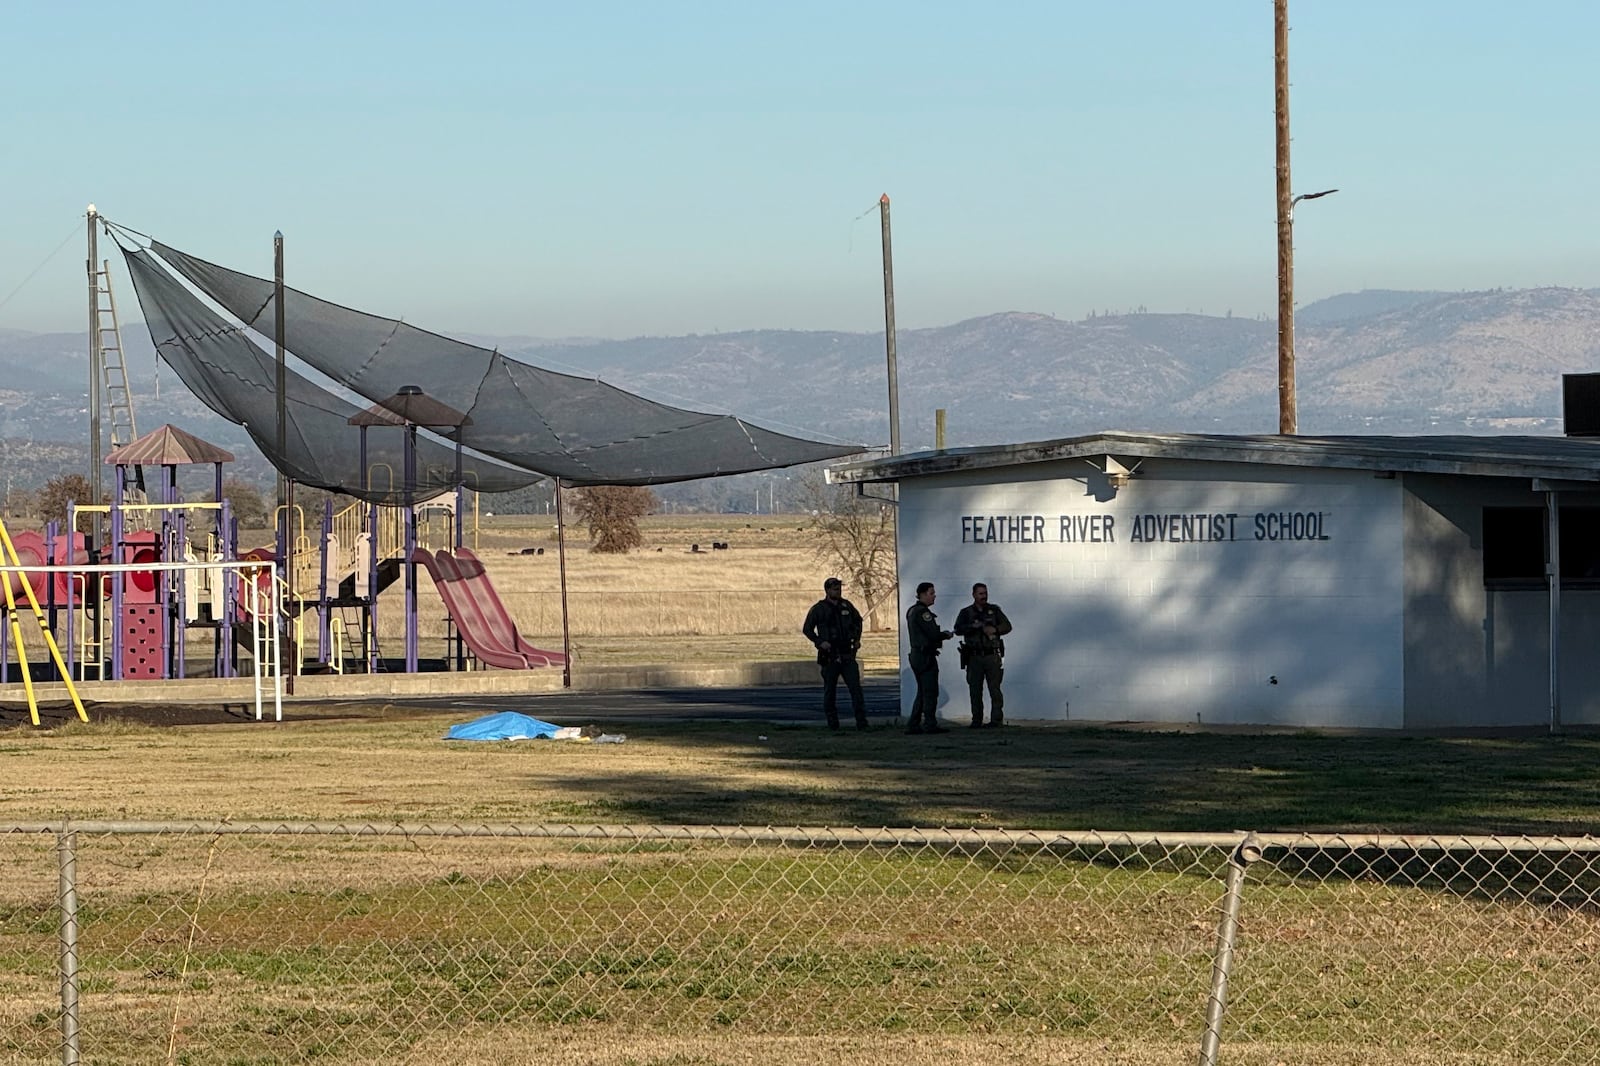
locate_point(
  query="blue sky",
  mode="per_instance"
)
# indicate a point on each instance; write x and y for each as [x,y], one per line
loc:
[624,169]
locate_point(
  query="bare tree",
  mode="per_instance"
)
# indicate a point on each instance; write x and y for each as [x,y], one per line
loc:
[856,533]
[246,503]
[58,492]
[612,513]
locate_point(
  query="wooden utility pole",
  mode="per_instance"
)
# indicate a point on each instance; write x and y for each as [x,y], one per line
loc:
[1288,411]
[888,328]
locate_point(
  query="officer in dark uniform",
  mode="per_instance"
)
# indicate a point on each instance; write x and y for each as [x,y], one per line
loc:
[981,625]
[922,629]
[833,625]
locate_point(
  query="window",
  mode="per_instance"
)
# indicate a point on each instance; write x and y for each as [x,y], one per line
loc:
[1514,544]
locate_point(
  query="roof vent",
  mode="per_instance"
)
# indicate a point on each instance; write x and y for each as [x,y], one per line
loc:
[1580,404]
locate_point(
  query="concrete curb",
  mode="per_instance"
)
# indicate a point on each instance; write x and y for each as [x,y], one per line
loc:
[315,687]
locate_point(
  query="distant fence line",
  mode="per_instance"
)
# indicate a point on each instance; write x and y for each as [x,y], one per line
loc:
[279,942]
[654,612]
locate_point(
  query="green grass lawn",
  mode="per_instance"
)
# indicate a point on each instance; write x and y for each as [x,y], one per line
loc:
[392,765]
[345,948]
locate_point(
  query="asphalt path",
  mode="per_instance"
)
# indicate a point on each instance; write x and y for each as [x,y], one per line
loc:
[759,703]
[794,704]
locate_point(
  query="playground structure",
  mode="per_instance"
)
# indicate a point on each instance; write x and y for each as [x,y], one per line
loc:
[130,597]
[173,573]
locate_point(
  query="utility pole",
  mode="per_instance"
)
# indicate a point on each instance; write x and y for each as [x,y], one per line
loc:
[888,328]
[1288,411]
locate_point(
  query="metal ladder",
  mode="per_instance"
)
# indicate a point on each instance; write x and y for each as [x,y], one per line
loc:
[118,397]
[346,643]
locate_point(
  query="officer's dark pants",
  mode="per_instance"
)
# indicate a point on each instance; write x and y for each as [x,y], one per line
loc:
[850,670]
[925,708]
[985,670]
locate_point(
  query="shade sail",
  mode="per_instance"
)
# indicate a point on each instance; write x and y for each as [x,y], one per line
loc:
[237,379]
[579,429]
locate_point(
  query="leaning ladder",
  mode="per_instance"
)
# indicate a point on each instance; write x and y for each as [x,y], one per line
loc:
[119,399]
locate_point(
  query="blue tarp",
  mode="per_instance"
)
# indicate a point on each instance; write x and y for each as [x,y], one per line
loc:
[507,725]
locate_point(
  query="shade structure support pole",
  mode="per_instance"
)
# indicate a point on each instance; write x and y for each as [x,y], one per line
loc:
[561,557]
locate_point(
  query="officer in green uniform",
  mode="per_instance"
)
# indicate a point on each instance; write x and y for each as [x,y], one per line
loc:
[833,626]
[922,629]
[981,625]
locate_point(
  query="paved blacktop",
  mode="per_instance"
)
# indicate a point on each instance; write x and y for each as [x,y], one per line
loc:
[760,703]
[788,704]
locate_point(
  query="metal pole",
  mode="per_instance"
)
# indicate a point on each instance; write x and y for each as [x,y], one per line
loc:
[561,556]
[1288,410]
[285,486]
[888,328]
[282,378]
[96,370]
[67,863]
[409,465]
[1552,570]
[1222,963]
[938,428]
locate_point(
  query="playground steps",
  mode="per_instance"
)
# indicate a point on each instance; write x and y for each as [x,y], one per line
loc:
[388,574]
[243,637]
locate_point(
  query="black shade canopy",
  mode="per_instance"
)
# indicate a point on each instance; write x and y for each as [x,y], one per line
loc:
[581,430]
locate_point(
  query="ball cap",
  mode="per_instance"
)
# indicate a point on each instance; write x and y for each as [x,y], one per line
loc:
[832,583]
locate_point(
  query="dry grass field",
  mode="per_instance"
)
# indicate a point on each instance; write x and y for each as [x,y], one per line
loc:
[665,602]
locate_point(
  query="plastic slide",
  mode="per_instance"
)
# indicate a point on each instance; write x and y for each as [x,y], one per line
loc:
[476,578]
[492,643]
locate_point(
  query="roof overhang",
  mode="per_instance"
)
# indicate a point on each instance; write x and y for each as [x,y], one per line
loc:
[1557,458]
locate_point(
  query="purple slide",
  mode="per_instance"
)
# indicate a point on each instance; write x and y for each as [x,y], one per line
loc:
[490,642]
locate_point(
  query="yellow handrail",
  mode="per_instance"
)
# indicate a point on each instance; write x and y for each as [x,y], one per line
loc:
[13,559]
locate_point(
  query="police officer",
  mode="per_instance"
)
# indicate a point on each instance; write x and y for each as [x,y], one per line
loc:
[833,626]
[981,625]
[922,629]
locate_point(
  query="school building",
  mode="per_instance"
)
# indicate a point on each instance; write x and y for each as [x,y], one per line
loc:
[1426,583]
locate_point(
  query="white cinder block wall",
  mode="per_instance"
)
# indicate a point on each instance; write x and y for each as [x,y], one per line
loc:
[1178,598]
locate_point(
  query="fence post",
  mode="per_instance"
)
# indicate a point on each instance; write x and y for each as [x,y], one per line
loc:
[67,860]
[1247,852]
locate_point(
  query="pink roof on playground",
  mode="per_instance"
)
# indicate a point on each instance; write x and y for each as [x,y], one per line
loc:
[168,446]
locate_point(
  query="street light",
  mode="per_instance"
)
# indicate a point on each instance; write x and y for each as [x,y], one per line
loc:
[1288,407]
[1308,196]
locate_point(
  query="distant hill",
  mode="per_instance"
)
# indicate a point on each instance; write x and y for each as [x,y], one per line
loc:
[1368,303]
[1380,361]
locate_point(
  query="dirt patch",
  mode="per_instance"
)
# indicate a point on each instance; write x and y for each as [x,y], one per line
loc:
[55,715]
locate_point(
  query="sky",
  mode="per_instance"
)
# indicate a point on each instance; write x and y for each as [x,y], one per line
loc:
[617,169]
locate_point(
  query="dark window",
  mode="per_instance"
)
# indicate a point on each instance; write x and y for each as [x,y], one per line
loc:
[1514,544]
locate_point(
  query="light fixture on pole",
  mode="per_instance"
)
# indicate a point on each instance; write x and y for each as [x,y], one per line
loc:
[1288,404]
[1308,196]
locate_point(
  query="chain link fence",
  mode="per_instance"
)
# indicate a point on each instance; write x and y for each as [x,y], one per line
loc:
[267,943]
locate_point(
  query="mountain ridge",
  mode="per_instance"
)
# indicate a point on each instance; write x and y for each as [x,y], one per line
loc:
[1382,361]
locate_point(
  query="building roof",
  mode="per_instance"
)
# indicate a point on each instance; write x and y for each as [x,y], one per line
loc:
[168,446]
[1549,458]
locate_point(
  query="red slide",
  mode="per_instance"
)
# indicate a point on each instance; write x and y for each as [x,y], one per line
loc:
[476,578]
[492,643]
